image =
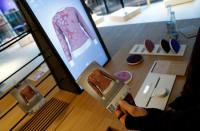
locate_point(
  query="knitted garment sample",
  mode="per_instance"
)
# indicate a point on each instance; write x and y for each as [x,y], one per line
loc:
[70,24]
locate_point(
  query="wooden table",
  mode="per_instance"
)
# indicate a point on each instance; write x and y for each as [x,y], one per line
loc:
[129,35]
[85,113]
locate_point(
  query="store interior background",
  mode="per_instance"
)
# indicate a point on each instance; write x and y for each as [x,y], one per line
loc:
[14,55]
[12,25]
[155,11]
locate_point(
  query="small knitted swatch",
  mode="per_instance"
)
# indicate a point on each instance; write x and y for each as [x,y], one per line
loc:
[175,46]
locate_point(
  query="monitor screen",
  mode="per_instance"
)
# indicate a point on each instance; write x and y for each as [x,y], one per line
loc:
[71,32]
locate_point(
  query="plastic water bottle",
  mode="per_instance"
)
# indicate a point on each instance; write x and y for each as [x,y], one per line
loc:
[171,24]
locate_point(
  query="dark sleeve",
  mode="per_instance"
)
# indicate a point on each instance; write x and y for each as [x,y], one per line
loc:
[84,25]
[158,120]
[62,40]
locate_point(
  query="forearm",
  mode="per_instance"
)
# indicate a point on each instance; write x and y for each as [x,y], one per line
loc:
[158,120]
[143,123]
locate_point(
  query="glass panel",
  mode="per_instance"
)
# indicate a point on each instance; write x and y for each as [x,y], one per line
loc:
[6,31]
[11,25]
[113,5]
[135,2]
[16,20]
[138,2]
[96,6]
[16,56]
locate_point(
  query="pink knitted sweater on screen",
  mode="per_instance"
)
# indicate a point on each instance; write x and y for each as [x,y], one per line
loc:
[70,24]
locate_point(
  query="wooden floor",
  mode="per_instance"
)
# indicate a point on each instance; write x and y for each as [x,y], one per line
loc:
[12,116]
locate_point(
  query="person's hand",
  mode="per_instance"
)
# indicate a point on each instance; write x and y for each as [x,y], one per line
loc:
[125,108]
[129,99]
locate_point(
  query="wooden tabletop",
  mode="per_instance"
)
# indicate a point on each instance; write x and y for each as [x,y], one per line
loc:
[85,113]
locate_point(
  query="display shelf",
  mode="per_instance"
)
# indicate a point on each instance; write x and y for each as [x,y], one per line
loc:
[140,49]
[97,19]
[125,14]
[175,2]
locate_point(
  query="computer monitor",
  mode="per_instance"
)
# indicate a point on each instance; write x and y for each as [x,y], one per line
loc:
[69,28]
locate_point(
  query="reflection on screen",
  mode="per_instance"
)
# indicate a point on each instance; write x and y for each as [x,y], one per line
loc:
[71,32]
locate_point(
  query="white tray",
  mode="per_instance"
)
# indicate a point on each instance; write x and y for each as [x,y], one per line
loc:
[145,98]
[140,49]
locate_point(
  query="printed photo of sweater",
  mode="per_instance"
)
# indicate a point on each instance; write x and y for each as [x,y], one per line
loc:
[100,81]
[27,94]
[70,24]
